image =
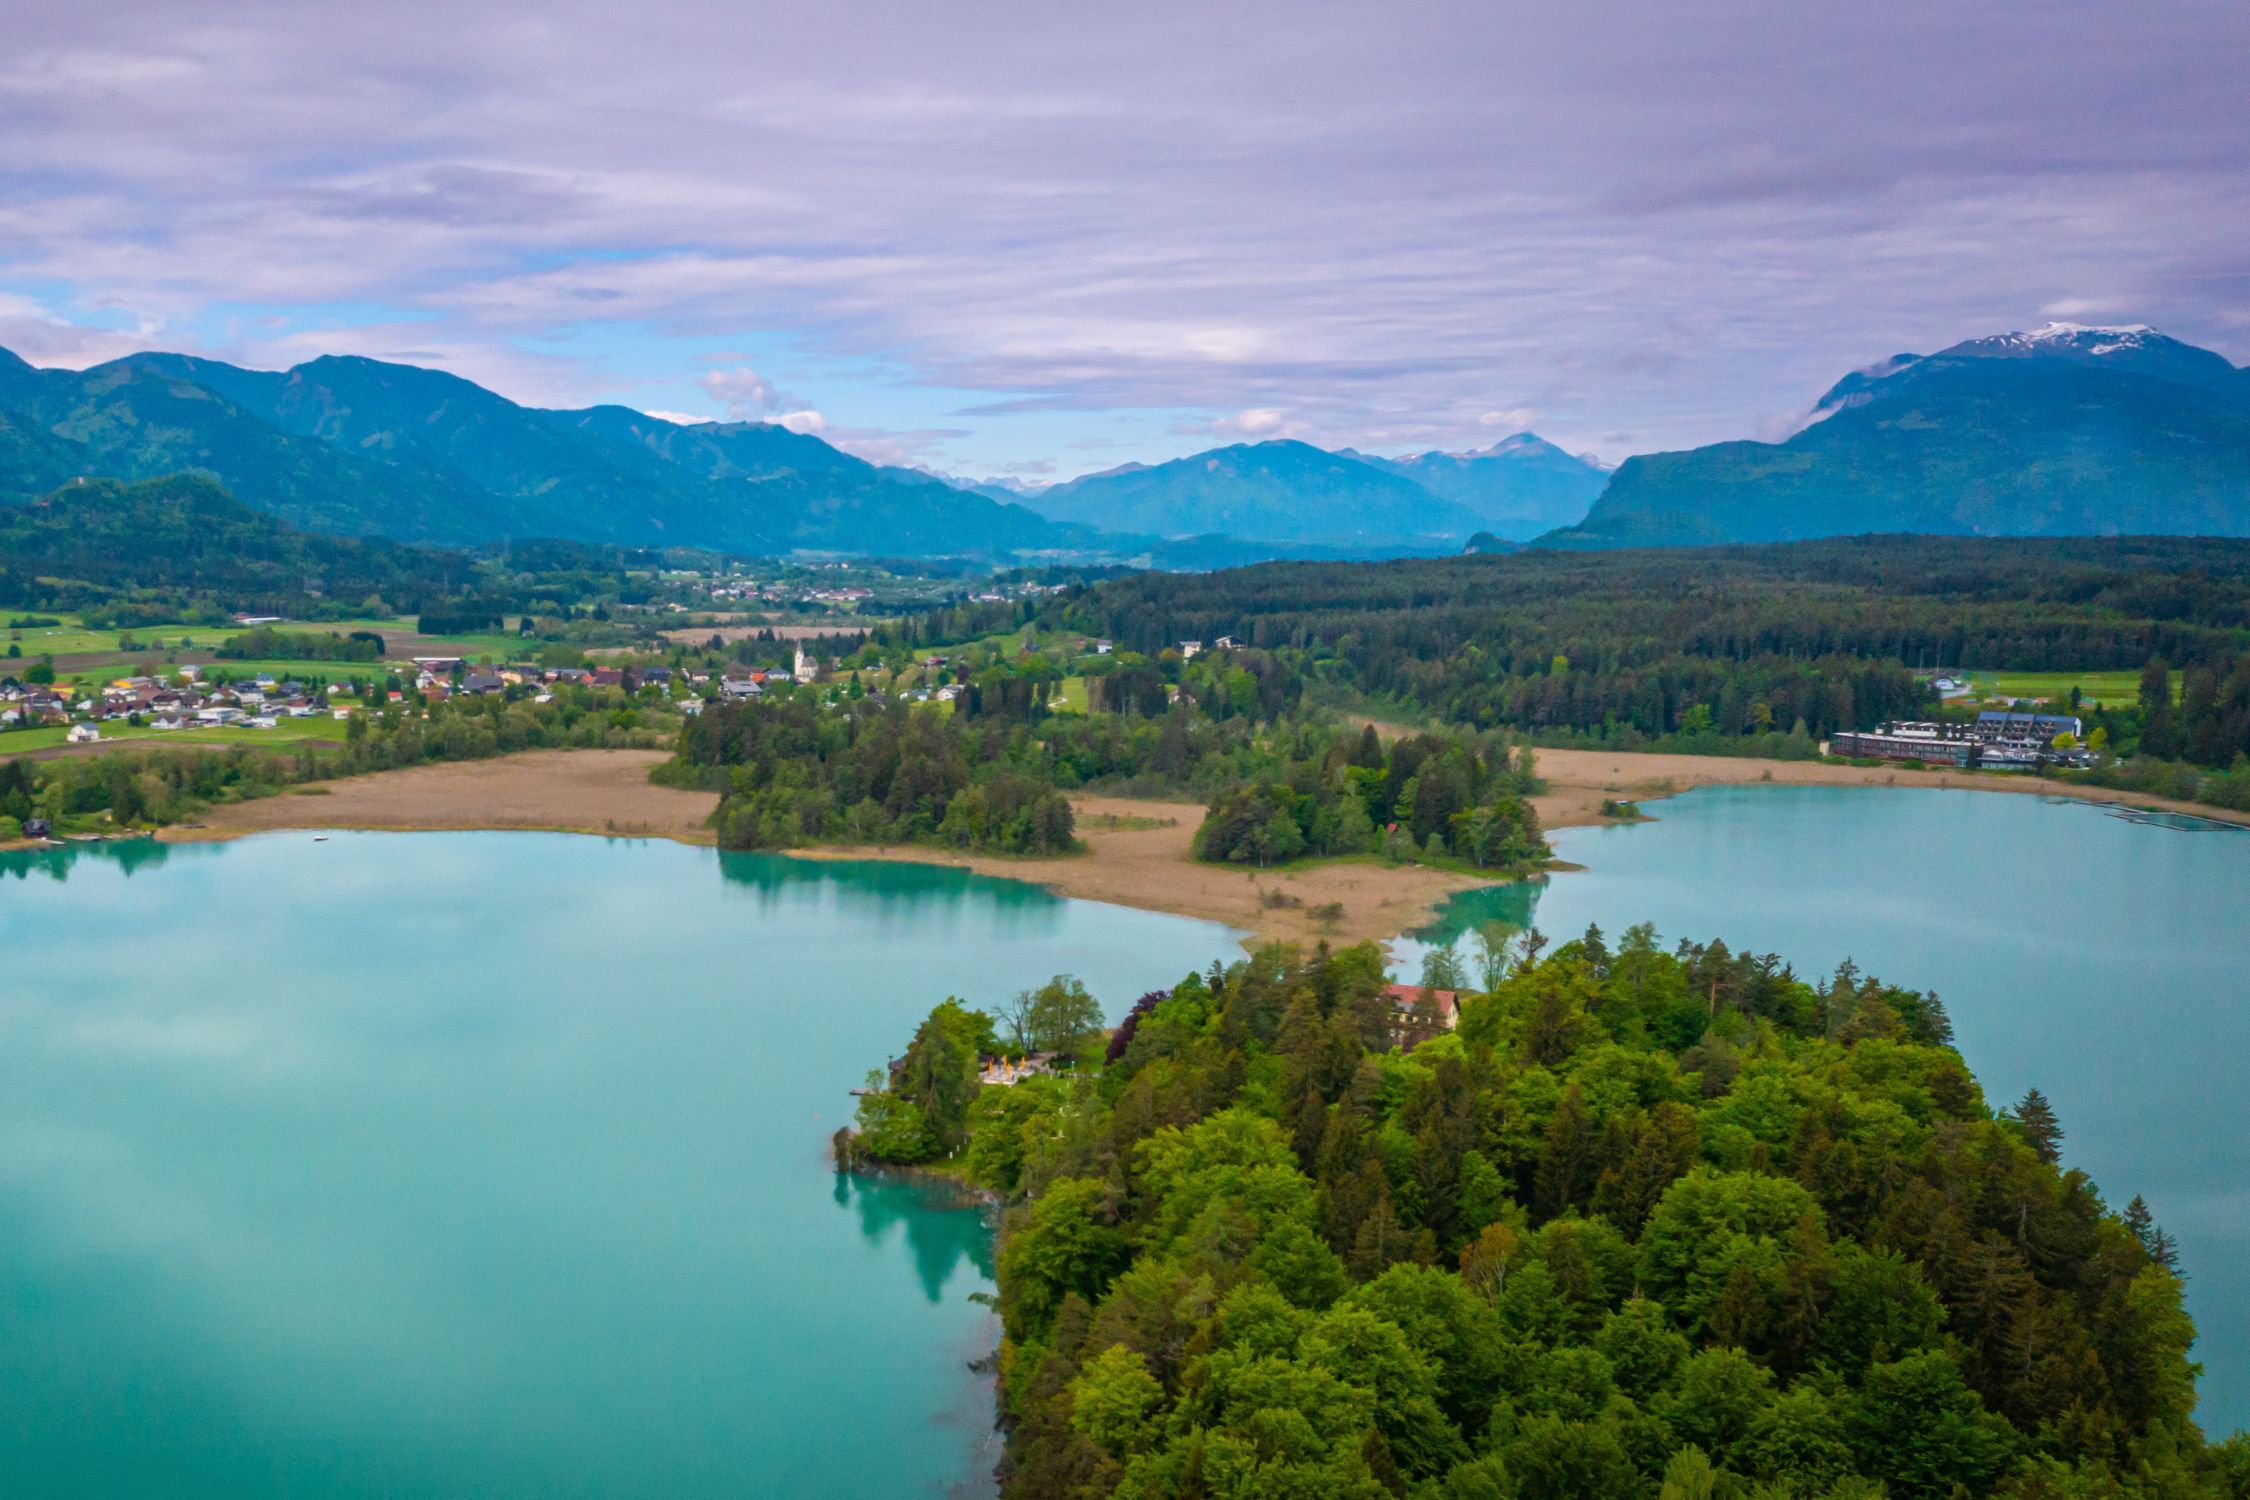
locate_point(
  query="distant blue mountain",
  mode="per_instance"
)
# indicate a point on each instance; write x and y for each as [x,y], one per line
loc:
[360,447]
[2060,431]
[1281,491]
[1518,488]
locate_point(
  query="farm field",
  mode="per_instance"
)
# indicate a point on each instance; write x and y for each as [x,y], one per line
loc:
[72,638]
[2114,689]
[97,651]
[323,730]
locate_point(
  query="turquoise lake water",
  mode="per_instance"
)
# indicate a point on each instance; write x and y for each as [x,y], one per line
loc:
[451,1165]
[2103,959]
[492,1165]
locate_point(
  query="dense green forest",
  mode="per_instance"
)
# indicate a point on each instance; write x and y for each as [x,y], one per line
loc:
[1436,796]
[180,548]
[1648,1222]
[793,774]
[1738,650]
[1758,638]
[183,536]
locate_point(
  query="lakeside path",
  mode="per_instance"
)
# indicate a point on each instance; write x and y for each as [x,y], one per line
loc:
[1138,852]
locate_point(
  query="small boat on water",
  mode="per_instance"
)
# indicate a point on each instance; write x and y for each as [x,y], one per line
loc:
[320,838]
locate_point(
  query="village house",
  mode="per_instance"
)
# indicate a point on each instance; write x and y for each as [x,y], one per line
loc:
[1189,650]
[1415,1014]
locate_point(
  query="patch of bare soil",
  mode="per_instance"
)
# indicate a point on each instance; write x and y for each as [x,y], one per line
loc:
[571,791]
[1131,864]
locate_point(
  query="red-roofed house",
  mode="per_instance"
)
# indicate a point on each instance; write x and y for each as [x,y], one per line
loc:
[1417,1014]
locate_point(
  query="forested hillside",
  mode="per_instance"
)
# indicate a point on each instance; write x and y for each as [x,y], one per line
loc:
[184,536]
[1740,643]
[1649,1222]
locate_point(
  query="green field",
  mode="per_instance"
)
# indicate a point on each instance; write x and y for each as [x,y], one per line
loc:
[322,730]
[2114,689]
[73,639]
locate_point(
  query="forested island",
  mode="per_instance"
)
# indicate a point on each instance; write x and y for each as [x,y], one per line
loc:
[1644,1222]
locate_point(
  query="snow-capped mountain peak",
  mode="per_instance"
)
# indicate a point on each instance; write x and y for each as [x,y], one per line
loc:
[2131,347]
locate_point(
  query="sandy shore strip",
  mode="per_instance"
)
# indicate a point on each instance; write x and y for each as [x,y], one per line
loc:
[565,791]
[1152,868]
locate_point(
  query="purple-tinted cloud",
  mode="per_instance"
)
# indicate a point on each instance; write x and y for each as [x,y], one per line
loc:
[1369,225]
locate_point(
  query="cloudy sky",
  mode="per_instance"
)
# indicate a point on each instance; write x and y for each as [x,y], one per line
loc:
[1039,238]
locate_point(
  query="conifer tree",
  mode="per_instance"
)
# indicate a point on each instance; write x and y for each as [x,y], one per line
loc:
[2035,1117]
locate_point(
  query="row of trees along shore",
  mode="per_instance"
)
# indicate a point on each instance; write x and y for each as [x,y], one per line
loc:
[1649,1222]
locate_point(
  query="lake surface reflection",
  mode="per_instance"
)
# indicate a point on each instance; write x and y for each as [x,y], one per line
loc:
[491,1165]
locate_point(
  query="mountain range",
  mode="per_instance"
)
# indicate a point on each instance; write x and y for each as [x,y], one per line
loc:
[2059,431]
[2062,430]
[360,447]
[1286,491]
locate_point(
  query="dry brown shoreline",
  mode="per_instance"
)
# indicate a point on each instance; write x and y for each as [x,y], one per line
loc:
[559,791]
[608,792]
[1153,868]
